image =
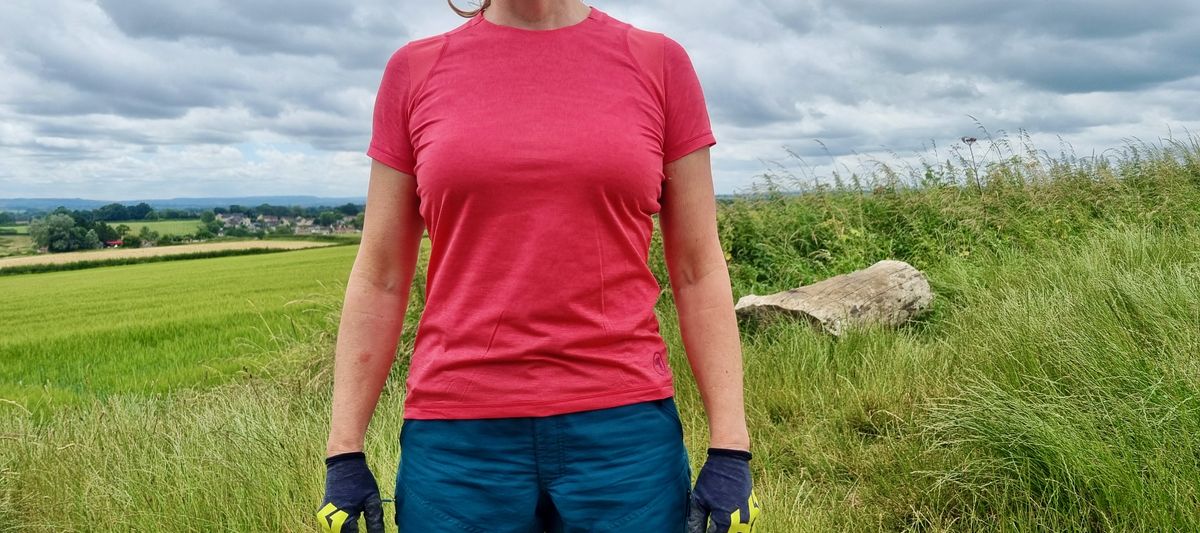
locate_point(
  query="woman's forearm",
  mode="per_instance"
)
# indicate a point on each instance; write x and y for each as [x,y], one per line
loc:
[710,337]
[371,321]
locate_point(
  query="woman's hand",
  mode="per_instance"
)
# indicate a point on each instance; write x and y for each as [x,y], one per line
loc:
[723,500]
[350,491]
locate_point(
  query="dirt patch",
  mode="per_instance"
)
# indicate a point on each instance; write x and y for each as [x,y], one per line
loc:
[123,253]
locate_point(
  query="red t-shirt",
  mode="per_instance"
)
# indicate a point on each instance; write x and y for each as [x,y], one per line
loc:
[538,157]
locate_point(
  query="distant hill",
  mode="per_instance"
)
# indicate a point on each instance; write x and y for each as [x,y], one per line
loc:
[20,204]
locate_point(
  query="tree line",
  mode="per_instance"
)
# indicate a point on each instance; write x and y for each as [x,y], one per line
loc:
[65,230]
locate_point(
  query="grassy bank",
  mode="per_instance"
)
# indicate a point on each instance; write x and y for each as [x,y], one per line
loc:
[1053,388]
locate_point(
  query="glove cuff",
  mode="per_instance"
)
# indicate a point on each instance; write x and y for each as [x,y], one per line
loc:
[347,456]
[739,454]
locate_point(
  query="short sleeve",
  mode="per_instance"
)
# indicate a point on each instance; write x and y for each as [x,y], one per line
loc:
[687,123]
[390,140]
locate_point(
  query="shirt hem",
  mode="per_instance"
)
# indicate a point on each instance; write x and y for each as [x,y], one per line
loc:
[587,403]
[689,146]
[399,163]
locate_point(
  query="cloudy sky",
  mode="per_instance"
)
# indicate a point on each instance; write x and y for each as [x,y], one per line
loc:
[122,99]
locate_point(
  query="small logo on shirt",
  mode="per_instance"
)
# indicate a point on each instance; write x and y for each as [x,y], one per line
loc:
[659,364]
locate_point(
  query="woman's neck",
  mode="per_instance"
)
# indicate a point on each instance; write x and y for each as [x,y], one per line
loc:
[536,14]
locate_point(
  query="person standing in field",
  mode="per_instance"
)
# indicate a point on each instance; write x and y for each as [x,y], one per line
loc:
[535,141]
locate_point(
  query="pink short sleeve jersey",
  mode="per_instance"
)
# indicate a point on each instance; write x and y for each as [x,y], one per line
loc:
[538,157]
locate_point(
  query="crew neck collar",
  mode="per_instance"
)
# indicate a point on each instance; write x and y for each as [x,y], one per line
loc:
[594,16]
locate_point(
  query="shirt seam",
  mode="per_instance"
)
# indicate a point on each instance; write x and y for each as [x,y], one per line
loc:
[420,87]
[645,76]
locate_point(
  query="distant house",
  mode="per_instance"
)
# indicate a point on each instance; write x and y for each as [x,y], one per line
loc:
[114,244]
[234,219]
[269,221]
[304,226]
[345,225]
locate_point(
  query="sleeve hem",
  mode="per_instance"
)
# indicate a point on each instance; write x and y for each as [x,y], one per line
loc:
[403,164]
[689,146]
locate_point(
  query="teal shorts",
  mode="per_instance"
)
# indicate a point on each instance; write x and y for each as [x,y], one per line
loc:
[617,469]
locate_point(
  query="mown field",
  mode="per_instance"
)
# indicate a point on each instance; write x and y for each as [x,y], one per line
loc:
[22,229]
[1055,386]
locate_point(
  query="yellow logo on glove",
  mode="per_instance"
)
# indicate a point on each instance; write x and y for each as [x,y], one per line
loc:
[735,518]
[331,518]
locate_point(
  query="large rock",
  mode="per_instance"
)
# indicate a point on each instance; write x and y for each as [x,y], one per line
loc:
[888,293]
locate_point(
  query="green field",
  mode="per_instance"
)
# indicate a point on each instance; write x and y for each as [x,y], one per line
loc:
[1055,386]
[19,230]
[163,227]
[73,336]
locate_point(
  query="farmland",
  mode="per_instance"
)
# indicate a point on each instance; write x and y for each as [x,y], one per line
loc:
[157,251]
[1053,387]
[15,245]
[154,327]
[162,227]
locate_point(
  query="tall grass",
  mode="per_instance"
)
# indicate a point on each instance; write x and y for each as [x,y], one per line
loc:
[1081,410]
[794,229]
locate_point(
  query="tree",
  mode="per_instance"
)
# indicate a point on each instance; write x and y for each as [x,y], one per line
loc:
[358,221]
[237,231]
[141,211]
[147,234]
[207,216]
[7,218]
[348,209]
[328,218]
[122,229]
[91,240]
[58,233]
[105,232]
[112,213]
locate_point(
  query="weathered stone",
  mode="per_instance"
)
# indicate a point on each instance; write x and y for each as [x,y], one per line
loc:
[888,292]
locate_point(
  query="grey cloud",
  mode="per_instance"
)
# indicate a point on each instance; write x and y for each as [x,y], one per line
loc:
[251,96]
[1061,18]
[350,33]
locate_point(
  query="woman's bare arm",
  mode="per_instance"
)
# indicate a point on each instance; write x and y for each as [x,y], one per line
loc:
[700,283]
[376,297]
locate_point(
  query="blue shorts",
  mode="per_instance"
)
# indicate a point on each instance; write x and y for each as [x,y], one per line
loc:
[617,469]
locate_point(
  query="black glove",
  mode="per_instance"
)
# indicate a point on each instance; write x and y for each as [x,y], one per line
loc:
[723,500]
[350,490]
